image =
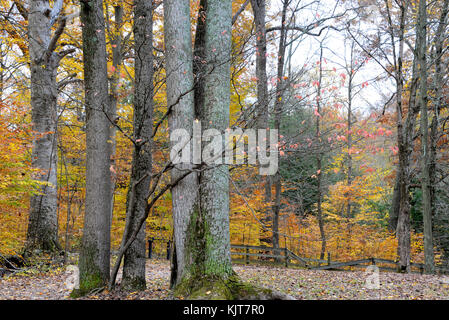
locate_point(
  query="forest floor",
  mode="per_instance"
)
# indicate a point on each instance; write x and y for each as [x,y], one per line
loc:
[298,283]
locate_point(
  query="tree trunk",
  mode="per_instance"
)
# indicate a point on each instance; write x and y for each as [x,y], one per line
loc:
[349,128]
[113,96]
[134,258]
[421,40]
[438,102]
[213,211]
[319,161]
[403,224]
[42,227]
[180,95]
[262,114]
[277,122]
[395,202]
[94,261]
[207,242]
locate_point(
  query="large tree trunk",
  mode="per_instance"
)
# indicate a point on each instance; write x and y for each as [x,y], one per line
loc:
[421,32]
[213,213]
[42,228]
[134,258]
[180,96]
[94,262]
[207,242]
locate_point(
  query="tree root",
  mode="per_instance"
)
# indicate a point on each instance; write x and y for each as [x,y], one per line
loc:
[217,288]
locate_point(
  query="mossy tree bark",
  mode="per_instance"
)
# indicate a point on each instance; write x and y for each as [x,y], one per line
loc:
[202,268]
[94,262]
[207,242]
[213,209]
[134,257]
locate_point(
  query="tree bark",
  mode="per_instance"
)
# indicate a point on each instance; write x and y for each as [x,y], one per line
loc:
[207,242]
[421,39]
[277,122]
[438,103]
[134,257]
[42,231]
[213,211]
[319,161]
[349,128]
[94,261]
[116,40]
[262,112]
[403,224]
[179,66]
[395,202]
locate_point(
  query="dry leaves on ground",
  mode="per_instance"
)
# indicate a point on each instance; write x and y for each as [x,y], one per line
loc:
[301,284]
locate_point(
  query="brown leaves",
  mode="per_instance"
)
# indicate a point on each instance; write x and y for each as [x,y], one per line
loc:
[299,283]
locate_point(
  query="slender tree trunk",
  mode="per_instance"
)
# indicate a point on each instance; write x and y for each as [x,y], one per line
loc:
[179,66]
[319,161]
[94,261]
[259,11]
[403,224]
[113,96]
[2,66]
[438,103]
[42,227]
[261,62]
[349,128]
[277,120]
[134,257]
[421,31]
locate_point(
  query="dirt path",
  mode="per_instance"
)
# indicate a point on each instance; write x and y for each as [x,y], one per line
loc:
[301,284]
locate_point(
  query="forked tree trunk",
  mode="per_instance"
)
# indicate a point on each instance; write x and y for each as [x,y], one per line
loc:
[207,242]
[134,257]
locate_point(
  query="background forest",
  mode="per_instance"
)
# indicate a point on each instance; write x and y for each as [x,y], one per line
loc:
[357,88]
